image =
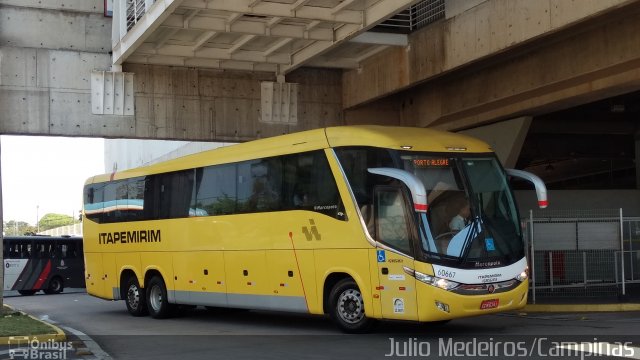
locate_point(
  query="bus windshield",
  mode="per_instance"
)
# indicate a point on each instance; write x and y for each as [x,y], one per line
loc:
[472,216]
[471,222]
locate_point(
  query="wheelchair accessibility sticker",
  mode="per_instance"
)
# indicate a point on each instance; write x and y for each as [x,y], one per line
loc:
[382,257]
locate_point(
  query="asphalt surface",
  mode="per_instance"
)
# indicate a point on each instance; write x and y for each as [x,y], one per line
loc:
[203,334]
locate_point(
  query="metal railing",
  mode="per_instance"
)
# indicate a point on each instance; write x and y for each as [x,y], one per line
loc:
[415,17]
[135,9]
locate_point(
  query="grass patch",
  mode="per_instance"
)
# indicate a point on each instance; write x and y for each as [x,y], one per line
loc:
[14,323]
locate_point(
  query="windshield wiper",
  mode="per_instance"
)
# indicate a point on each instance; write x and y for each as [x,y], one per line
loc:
[473,232]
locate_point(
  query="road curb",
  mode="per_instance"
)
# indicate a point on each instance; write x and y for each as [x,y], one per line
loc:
[57,336]
[557,308]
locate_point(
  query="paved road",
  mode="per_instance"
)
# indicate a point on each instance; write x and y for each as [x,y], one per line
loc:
[201,334]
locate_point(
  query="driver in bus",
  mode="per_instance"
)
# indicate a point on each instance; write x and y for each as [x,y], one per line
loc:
[459,221]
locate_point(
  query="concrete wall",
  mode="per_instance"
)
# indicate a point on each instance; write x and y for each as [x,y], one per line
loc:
[47,51]
[453,8]
[504,58]
[212,105]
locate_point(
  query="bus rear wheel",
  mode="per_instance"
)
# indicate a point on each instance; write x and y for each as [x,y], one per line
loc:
[135,298]
[55,286]
[159,307]
[26,292]
[347,307]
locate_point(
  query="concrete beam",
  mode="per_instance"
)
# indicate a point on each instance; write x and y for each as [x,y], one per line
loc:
[491,28]
[278,10]
[569,71]
[52,29]
[372,16]
[250,27]
[176,103]
[376,38]
[233,53]
[83,6]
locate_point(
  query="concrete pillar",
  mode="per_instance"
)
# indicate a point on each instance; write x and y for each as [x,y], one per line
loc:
[505,137]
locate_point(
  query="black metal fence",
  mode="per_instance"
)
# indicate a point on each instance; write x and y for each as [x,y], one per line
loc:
[592,254]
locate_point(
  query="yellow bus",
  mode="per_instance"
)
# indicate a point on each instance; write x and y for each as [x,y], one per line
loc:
[358,222]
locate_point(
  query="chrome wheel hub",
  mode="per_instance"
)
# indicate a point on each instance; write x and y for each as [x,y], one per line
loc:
[133,296]
[155,298]
[350,306]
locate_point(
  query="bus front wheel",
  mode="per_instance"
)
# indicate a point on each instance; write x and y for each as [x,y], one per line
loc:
[55,286]
[159,307]
[347,307]
[134,297]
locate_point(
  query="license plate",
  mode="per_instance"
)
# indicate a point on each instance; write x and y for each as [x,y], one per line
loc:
[489,304]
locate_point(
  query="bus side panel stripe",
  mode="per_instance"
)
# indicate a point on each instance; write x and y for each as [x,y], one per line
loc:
[43,276]
[21,280]
[243,301]
[36,269]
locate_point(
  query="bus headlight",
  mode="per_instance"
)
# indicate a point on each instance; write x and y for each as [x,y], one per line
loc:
[436,281]
[524,275]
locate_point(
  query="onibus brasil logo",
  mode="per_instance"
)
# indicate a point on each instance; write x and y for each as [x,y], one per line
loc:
[24,347]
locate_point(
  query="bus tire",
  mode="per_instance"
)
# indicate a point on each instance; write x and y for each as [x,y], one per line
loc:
[157,304]
[27,292]
[347,307]
[55,286]
[135,298]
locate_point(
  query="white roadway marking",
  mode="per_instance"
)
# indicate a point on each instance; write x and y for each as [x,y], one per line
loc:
[93,346]
[604,348]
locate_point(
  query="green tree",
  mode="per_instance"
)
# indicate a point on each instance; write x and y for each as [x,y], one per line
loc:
[51,221]
[18,228]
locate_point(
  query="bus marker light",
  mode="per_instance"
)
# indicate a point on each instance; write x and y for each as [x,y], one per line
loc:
[376,296]
[442,306]
[379,287]
[402,288]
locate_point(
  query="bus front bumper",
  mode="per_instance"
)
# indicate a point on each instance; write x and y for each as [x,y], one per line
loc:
[437,304]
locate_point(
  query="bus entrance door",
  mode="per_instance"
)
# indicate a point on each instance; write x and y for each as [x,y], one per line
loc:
[397,288]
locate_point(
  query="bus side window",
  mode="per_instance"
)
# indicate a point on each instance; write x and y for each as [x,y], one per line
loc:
[8,250]
[26,251]
[309,184]
[70,252]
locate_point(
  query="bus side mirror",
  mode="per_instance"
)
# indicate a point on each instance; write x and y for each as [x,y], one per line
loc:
[416,187]
[541,189]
